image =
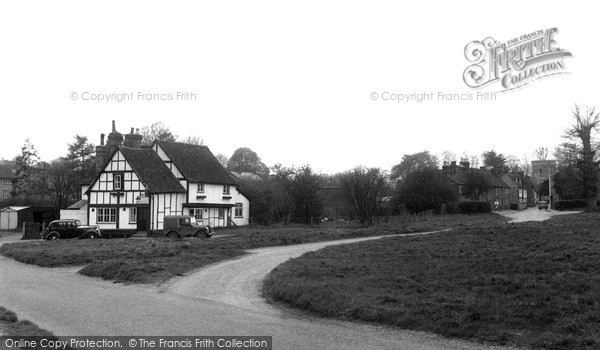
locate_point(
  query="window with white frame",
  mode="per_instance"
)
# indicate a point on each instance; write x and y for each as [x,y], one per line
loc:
[107,215]
[7,181]
[239,210]
[133,215]
[196,213]
[221,213]
[225,189]
[200,188]
[118,181]
[5,194]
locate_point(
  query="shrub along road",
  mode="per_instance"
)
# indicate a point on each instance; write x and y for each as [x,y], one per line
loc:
[219,300]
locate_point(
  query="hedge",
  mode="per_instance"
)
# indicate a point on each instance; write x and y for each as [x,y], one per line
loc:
[570,204]
[475,207]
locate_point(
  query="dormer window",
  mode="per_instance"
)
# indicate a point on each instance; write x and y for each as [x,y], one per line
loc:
[200,188]
[225,189]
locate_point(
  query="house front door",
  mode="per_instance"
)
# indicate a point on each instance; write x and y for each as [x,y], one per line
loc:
[143,218]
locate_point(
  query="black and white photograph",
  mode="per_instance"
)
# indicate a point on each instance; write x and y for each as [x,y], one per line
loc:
[299,175]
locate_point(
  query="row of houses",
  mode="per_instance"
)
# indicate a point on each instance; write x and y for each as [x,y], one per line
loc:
[509,190]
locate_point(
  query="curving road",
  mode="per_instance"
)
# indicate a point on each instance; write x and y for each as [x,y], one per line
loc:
[223,299]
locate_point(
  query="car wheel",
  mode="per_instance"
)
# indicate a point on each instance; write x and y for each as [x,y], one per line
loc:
[172,235]
[93,235]
[53,236]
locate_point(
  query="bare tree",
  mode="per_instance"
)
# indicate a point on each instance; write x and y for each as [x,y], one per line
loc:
[364,189]
[586,123]
[448,157]
[194,140]
[157,131]
[541,153]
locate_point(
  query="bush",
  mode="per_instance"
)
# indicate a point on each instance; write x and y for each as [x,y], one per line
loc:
[514,206]
[570,204]
[475,207]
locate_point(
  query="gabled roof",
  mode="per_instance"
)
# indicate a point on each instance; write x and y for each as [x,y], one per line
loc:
[7,169]
[196,163]
[509,181]
[151,170]
[497,182]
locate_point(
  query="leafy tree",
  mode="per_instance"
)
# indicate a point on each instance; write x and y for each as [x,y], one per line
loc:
[156,131]
[246,160]
[494,160]
[567,154]
[424,190]
[567,182]
[586,123]
[305,192]
[80,150]
[81,157]
[282,197]
[364,189]
[25,163]
[222,159]
[476,183]
[413,162]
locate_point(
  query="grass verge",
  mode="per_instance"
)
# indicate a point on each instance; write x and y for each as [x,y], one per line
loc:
[157,260]
[11,326]
[535,285]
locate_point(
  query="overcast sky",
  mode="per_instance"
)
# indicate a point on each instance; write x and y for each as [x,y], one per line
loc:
[292,81]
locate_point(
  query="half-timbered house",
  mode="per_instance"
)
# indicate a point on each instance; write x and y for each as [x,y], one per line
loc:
[136,187]
[134,191]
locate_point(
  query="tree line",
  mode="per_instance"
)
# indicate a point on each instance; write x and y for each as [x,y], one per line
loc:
[285,194]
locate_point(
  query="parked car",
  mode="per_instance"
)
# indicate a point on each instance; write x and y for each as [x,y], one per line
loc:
[70,228]
[176,226]
[542,205]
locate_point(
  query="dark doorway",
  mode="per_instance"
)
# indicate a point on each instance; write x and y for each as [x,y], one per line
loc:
[143,218]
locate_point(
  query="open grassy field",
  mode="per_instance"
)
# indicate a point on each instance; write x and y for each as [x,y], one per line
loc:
[157,260]
[532,284]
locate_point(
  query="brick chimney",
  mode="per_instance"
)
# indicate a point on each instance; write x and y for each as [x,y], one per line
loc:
[114,139]
[101,154]
[464,162]
[133,140]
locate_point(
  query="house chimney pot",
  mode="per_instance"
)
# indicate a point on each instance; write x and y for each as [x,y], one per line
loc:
[114,127]
[102,139]
[131,131]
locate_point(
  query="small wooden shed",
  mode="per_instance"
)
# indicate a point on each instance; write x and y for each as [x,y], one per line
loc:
[13,217]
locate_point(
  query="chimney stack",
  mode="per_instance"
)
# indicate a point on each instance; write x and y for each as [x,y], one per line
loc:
[133,140]
[101,154]
[114,139]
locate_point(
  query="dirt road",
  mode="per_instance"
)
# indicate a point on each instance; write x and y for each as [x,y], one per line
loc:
[222,299]
[532,214]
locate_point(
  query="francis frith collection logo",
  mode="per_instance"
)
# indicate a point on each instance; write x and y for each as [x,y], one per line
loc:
[514,63]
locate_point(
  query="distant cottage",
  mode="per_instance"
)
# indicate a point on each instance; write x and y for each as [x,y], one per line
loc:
[135,187]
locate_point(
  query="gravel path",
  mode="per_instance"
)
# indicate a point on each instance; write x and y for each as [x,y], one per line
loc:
[532,214]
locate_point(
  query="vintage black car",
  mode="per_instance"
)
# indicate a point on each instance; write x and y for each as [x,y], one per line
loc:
[176,226]
[70,228]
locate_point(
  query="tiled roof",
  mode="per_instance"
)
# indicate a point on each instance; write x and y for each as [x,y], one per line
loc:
[196,163]
[7,169]
[497,182]
[152,171]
